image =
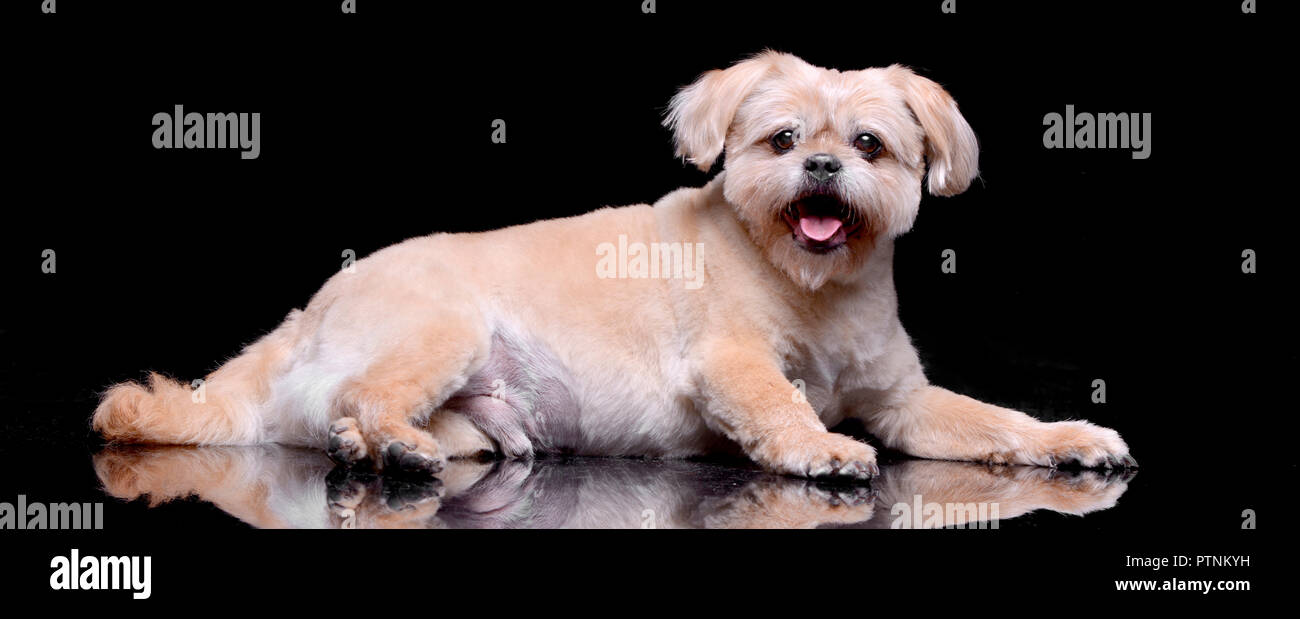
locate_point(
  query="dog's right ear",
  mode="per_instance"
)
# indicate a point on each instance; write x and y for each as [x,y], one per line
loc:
[951,151]
[700,114]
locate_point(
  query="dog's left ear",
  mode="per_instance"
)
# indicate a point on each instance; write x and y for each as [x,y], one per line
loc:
[700,114]
[950,147]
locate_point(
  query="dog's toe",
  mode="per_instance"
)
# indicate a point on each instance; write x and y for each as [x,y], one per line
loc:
[860,470]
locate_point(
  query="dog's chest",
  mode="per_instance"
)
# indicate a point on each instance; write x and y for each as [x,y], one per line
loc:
[825,364]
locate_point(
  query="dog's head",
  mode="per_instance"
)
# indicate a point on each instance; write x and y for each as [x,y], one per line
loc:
[822,163]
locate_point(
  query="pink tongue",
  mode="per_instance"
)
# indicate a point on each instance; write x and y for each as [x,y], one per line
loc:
[819,228]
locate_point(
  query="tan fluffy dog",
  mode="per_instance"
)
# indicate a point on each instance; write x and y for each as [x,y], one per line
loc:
[749,314]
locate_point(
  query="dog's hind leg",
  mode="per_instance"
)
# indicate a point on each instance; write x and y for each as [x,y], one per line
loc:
[392,399]
[455,434]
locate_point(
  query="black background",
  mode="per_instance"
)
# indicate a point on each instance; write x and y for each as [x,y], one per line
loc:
[1072,264]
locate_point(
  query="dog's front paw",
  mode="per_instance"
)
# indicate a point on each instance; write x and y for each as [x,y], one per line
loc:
[818,454]
[1081,442]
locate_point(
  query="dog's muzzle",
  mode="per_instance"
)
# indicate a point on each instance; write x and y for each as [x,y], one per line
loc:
[821,222]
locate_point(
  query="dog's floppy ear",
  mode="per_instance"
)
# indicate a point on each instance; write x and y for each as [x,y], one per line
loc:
[700,114]
[950,147]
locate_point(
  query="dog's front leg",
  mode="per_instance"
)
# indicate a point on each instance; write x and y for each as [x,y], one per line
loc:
[748,399]
[937,423]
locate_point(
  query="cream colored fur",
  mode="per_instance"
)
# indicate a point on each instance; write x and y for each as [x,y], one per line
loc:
[511,341]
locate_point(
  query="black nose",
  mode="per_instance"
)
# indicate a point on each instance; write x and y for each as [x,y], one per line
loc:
[821,166]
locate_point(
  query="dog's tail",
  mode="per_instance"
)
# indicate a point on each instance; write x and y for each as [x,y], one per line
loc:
[225,409]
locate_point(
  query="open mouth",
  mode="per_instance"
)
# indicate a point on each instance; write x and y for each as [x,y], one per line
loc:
[821,222]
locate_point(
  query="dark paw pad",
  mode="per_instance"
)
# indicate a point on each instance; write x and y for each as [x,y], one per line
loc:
[345,445]
[343,449]
[401,457]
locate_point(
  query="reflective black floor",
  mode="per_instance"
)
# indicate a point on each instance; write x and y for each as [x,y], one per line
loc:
[281,487]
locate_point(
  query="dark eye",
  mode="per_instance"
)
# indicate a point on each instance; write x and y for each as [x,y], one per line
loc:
[869,144]
[783,140]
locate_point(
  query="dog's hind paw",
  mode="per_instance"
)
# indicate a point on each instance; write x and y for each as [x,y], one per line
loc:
[403,457]
[345,444]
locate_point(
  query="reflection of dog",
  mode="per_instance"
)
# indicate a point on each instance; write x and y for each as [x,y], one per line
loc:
[513,341]
[269,486]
